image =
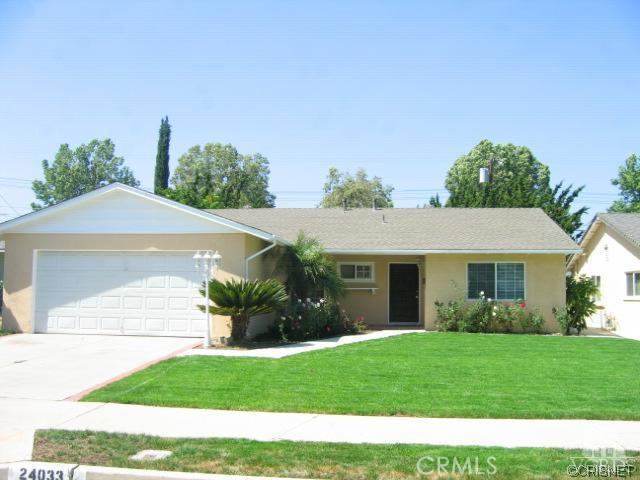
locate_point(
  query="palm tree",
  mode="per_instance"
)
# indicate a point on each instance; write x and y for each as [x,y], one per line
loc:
[244,299]
[309,270]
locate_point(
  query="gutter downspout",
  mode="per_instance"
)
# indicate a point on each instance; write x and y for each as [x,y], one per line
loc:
[257,254]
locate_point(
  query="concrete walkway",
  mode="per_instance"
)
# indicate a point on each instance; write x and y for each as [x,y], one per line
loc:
[295,348]
[21,417]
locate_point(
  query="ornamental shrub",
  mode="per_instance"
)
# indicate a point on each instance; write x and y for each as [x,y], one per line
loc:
[487,316]
[306,319]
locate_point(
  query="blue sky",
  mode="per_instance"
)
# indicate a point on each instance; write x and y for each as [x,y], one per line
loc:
[400,88]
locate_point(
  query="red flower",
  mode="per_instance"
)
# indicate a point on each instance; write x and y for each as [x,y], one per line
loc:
[523,305]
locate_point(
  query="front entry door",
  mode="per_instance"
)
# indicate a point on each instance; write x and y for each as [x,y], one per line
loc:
[404,293]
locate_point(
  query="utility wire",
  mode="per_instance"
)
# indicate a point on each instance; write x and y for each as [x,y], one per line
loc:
[9,205]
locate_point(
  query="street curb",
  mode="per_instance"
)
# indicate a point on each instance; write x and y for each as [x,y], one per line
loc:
[87,472]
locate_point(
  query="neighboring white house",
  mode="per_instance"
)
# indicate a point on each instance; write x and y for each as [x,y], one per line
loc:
[611,256]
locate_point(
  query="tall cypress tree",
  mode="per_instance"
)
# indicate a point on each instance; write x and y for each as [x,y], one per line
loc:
[162,158]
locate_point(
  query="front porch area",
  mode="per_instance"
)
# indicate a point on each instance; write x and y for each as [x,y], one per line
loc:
[386,291]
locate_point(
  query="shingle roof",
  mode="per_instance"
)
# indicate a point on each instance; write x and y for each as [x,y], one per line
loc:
[447,229]
[628,224]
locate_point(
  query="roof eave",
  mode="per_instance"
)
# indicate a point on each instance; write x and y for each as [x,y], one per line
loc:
[352,251]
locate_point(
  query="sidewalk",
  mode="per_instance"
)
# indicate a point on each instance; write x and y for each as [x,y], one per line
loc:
[265,426]
[295,348]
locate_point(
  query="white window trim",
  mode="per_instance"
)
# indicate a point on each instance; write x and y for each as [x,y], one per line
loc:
[359,280]
[524,273]
[636,295]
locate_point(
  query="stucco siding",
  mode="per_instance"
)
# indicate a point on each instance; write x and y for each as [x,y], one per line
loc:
[373,305]
[611,256]
[19,263]
[256,266]
[257,269]
[446,279]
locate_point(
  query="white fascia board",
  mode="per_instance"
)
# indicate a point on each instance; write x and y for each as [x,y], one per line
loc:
[337,251]
[29,217]
[595,223]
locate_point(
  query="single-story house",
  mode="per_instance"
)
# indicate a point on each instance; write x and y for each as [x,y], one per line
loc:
[119,260]
[611,258]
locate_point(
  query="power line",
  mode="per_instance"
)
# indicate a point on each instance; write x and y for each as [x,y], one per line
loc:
[9,205]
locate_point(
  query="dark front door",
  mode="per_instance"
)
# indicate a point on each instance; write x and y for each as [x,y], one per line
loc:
[404,293]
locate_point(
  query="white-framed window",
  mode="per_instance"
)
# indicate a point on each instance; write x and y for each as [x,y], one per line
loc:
[497,280]
[357,271]
[633,284]
[597,281]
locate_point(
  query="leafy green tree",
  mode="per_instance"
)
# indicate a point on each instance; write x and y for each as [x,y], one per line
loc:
[191,197]
[518,179]
[244,299]
[309,270]
[161,181]
[628,181]
[357,191]
[435,201]
[236,180]
[74,172]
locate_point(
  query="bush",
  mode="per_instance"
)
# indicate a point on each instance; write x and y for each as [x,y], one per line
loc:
[477,315]
[450,315]
[487,316]
[580,304]
[563,318]
[306,319]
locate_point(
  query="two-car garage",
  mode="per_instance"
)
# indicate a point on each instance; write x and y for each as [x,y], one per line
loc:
[130,293]
[119,261]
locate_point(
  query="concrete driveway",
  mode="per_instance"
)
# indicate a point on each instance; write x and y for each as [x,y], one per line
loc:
[36,371]
[57,367]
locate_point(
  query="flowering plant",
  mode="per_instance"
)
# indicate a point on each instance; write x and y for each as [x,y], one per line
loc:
[308,319]
[487,315]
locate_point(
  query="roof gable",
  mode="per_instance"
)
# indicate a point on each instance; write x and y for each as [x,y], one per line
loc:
[626,224]
[120,209]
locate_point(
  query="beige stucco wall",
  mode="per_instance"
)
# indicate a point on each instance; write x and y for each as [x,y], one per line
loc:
[544,273]
[18,292]
[611,256]
[446,279]
[374,306]
[258,269]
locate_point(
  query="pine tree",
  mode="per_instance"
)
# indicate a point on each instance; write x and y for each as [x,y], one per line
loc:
[162,158]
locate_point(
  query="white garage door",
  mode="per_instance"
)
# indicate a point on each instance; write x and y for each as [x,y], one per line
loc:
[127,293]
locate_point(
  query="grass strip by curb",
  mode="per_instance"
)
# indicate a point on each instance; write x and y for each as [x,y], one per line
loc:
[298,459]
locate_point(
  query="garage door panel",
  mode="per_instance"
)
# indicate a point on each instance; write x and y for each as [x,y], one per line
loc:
[88,323]
[148,293]
[133,324]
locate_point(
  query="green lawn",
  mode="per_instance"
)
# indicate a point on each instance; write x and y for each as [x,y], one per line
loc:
[295,459]
[430,375]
